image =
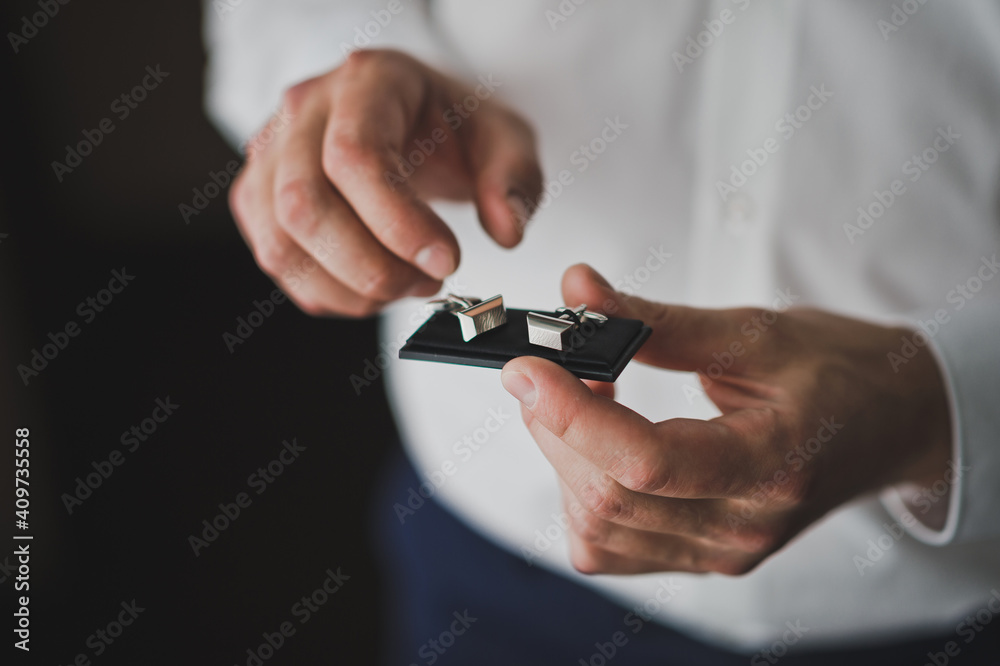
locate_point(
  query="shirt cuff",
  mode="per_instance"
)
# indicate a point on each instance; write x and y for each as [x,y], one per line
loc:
[964,342]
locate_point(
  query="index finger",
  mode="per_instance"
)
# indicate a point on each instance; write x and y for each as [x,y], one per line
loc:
[372,115]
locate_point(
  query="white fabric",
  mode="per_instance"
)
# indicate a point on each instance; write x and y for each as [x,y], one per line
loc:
[654,191]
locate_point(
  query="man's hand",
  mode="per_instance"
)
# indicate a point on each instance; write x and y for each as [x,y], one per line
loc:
[344,185]
[812,417]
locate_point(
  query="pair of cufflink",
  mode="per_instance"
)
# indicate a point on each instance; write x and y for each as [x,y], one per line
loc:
[478,316]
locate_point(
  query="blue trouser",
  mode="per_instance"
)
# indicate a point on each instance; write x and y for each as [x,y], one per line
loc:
[453,597]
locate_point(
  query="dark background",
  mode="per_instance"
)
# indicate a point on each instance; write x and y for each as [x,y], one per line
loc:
[162,336]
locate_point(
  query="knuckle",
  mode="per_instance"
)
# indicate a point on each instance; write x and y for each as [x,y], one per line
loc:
[378,285]
[587,560]
[312,307]
[694,561]
[754,539]
[295,96]
[559,422]
[734,566]
[239,197]
[359,58]
[274,255]
[346,151]
[701,559]
[642,476]
[297,205]
[604,500]
[591,529]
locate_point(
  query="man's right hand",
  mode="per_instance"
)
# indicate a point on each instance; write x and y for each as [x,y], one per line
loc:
[345,184]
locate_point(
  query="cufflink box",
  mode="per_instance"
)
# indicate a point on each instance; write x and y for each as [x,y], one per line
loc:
[596,352]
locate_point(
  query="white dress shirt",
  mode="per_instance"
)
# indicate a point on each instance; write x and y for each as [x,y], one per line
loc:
[731,146]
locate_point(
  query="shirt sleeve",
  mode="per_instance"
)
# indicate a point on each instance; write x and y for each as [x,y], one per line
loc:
[257,49]
[966,344]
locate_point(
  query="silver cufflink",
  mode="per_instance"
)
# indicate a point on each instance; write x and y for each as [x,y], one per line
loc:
[475,316]
[557,332]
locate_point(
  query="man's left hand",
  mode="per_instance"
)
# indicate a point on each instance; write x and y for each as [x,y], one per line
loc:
[813,415]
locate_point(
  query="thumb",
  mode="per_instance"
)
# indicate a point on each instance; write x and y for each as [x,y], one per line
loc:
[683,338]
[501,153]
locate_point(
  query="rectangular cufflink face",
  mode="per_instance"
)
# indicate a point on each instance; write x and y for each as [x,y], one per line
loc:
[481,317]
[546,331]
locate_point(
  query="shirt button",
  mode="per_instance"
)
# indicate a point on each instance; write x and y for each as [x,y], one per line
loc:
[738,214]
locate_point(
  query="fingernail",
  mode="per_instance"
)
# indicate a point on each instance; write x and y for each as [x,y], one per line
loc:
[518,211]
[436,261]
[519,386]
